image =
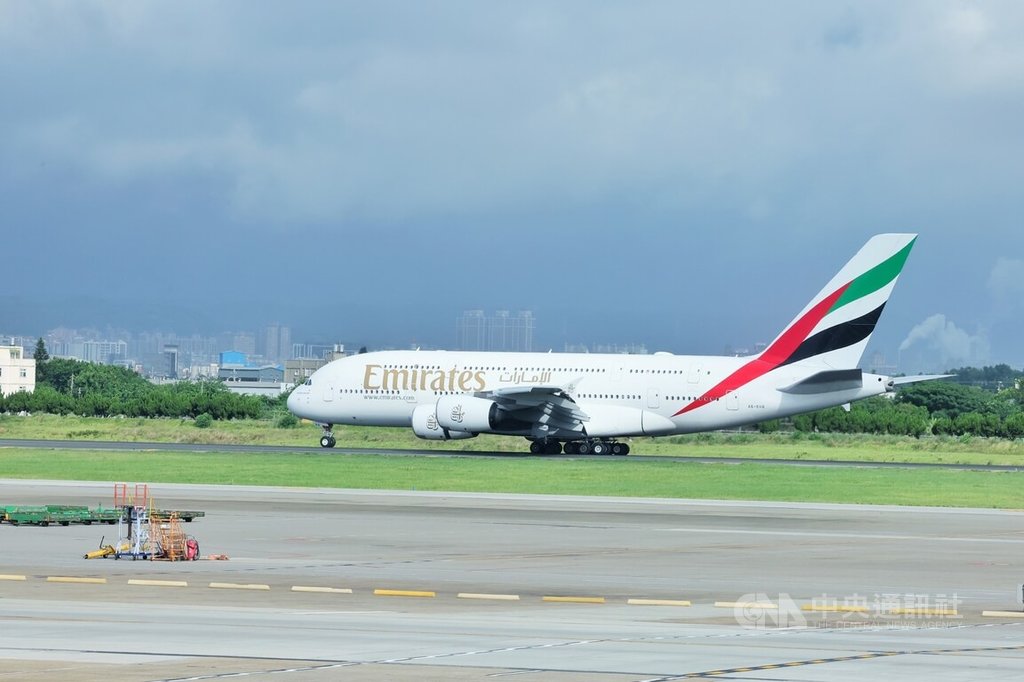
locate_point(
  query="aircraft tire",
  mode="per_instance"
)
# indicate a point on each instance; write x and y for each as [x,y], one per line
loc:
[583,449]
[553,447]
[619,448]
[327,442]
[600,448]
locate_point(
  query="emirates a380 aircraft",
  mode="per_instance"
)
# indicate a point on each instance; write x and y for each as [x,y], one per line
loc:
[584,403]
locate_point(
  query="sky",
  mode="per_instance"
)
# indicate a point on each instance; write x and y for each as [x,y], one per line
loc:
[682,175]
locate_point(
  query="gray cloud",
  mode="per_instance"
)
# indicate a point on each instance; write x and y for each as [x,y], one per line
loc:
[488,109]
[1006,283]
[710,164]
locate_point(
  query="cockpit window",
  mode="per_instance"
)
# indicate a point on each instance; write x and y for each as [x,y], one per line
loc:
[309,382]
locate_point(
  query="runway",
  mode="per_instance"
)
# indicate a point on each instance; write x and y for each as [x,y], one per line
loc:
[200,447]
[902,573]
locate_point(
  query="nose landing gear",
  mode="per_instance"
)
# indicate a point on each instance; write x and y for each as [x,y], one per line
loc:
[327,440]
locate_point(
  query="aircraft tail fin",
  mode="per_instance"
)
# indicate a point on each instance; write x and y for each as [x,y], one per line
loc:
[834,328]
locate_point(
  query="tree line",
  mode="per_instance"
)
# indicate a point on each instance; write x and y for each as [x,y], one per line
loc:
[65,386]
[941,408]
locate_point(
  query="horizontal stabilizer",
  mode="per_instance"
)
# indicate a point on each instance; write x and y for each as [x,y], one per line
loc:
[897,381]
[828,381]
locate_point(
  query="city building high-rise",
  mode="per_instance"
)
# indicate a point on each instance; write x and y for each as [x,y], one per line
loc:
[276,343]
[284,343]
[500,331]
[503,331]
[105,352]
[171,361]
[471,330]
[522,331]
[244,342]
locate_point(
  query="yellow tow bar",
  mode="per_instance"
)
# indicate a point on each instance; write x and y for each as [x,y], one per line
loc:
[101,552]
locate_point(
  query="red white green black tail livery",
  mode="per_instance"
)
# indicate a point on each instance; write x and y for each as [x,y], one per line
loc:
[587,403]
[833,330]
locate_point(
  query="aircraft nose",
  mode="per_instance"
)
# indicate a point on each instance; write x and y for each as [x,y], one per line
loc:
[293,401]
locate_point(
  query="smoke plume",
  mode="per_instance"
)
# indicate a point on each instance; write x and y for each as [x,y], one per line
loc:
[945,344]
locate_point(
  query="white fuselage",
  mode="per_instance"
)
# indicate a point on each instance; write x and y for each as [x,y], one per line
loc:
[581,402]
[617,392]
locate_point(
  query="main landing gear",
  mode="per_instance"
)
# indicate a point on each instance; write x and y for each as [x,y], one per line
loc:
[545,447]
[327,440]
[578,447]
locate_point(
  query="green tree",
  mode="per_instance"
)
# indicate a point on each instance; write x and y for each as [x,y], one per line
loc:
[41,355]
[990,377]
[1014,425]
[942,398]
[943,426]
[969,423]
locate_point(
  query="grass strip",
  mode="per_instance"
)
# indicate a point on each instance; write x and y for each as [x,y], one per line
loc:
[812,446]
[615,477]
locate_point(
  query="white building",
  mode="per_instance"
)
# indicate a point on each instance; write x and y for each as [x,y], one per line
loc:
[17,373]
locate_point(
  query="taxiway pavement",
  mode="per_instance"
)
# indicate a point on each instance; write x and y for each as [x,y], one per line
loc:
[907,586]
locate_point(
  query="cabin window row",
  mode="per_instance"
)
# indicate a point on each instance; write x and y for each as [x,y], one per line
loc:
[475,368]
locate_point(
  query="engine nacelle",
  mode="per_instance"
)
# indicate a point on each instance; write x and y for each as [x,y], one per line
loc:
[467,413]
[425,426]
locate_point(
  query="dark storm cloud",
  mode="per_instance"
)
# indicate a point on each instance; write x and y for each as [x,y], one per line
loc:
[678,174]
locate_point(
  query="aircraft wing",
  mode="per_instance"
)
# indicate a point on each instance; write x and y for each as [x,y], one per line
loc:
[548,408]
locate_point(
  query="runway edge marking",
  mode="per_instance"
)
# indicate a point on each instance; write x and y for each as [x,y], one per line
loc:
[239,586]
[574,600]
[404,593]
[924,612]
[74,579]
[322,590]
[658,602]
[158,583]
[497,597]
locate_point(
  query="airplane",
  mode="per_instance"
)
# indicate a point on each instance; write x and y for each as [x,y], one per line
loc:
[581,403]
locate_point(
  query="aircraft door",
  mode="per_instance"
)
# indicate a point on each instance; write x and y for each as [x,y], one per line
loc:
[328,394]
[694,376]
[732,401]
[653,398]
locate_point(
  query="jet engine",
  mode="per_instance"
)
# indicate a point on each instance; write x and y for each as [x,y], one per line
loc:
[467,413]
[424,425]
